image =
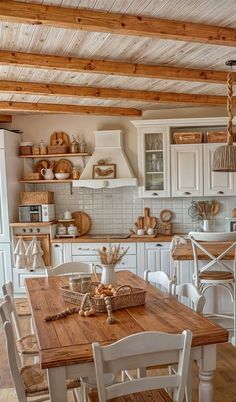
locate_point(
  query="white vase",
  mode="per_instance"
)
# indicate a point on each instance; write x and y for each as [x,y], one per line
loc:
[108,274]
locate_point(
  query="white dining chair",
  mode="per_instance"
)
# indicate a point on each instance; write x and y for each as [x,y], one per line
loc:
[215,271]
[29,381]
[190,292]
[26,345]
[21,306]
[151,348]
[161,279]
[72,267]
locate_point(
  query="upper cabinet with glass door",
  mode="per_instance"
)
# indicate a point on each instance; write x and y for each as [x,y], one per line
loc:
[153,160]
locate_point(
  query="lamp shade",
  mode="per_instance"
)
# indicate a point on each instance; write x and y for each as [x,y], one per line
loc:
[224,159]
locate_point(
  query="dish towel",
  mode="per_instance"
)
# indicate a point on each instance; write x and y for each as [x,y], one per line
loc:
[19,253]
[34,255]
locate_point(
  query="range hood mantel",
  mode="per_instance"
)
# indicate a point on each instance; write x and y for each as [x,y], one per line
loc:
[108,146]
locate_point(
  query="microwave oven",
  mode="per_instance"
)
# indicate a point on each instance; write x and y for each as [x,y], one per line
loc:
[37,213]
[230,224]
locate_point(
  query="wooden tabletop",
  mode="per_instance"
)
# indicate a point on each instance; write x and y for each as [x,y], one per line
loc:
[185,252]
[68,340]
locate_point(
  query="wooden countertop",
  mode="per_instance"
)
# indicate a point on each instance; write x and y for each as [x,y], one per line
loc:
[183,252]
[87,239]
[68,340]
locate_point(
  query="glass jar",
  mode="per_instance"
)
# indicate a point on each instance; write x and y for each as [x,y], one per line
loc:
[35,149]
[61,230]
[75,173]
[74,146]
[83,147]
[81,283]
[43,148]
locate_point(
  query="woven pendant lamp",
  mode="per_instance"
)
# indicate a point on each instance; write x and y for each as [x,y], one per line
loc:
[224,159]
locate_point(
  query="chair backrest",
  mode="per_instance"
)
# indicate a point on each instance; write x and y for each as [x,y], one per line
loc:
[189,291]
[72,267]
[149,349]
[8,290]
[198,239]
[160,278]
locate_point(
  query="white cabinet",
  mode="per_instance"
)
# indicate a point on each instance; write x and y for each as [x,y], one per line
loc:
[19,276]
[187,170]
[157,257]
[153,160]
[57,254]
[216,183]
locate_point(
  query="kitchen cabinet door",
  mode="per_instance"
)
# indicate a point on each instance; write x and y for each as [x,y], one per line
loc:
[216,183]
[157,257]
[187,170]
[4,217]
[153,157]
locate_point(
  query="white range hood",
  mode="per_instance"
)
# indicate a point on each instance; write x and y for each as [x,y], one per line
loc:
[108,146]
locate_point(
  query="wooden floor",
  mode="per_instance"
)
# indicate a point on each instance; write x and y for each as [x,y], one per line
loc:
[225,377]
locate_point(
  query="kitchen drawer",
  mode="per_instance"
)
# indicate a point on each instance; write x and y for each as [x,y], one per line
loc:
[87,248]
[19,276]
[86,258]
[128,261]
[132,247]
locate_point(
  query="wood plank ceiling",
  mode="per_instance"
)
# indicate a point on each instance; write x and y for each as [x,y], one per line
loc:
[113,57]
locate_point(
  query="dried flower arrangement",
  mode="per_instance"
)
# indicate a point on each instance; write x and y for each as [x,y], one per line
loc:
[111,255]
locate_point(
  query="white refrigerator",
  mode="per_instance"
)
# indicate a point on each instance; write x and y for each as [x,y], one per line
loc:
[11,172]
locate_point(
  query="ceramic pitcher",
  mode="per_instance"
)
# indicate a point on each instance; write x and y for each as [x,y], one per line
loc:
[47,174]
[108,274]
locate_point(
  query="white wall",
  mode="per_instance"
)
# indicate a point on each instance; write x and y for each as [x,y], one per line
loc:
[114,210]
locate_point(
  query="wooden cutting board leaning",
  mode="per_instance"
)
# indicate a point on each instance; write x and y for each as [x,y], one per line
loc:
[82,221]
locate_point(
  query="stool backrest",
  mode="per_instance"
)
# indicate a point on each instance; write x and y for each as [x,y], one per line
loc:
[160,278]
[190,292]
[72,267]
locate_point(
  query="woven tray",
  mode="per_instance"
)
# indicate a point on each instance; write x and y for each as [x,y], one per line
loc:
[136,297]
[187,138]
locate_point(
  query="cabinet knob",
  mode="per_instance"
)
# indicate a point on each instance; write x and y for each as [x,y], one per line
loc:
[220,192]
[155,194]
[187,193]
[158,245]
[56,245]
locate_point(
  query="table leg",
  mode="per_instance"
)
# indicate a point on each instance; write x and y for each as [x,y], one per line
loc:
[57,384]
[207,365]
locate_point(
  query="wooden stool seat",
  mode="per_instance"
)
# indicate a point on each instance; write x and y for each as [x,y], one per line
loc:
[147,396]
[216,275]
[22,307]
[27,344]
[35,380]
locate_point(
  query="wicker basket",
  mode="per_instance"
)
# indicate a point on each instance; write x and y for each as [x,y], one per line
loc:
[32,176]
[188,138]
[37,197]
[58,149]
[135,297]
[216,136]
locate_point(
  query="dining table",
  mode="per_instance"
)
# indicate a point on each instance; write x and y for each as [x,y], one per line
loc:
[65,345]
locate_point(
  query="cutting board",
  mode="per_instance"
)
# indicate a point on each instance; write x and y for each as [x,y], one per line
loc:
[82,221]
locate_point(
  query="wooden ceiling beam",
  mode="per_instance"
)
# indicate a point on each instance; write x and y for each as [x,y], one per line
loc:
[49,62]
[5,118]
[66,109]
[122,24]
[32,88]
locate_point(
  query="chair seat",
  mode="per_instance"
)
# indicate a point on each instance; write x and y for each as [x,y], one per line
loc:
[147,396]
[216,275]
[22,307]
[35,380]
[27,344]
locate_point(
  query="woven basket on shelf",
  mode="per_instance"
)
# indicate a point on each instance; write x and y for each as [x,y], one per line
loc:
[135,297]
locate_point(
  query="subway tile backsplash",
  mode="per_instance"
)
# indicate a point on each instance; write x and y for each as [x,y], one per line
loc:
[116,210]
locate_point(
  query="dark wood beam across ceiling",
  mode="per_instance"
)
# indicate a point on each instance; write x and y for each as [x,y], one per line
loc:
[123,24]
[80,65]
[33,88]
[61,108]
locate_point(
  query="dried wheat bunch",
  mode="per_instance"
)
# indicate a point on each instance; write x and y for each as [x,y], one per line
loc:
[111,255]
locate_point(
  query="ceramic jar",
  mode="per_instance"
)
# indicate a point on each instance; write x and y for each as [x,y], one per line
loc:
[61,230]
[72,230]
